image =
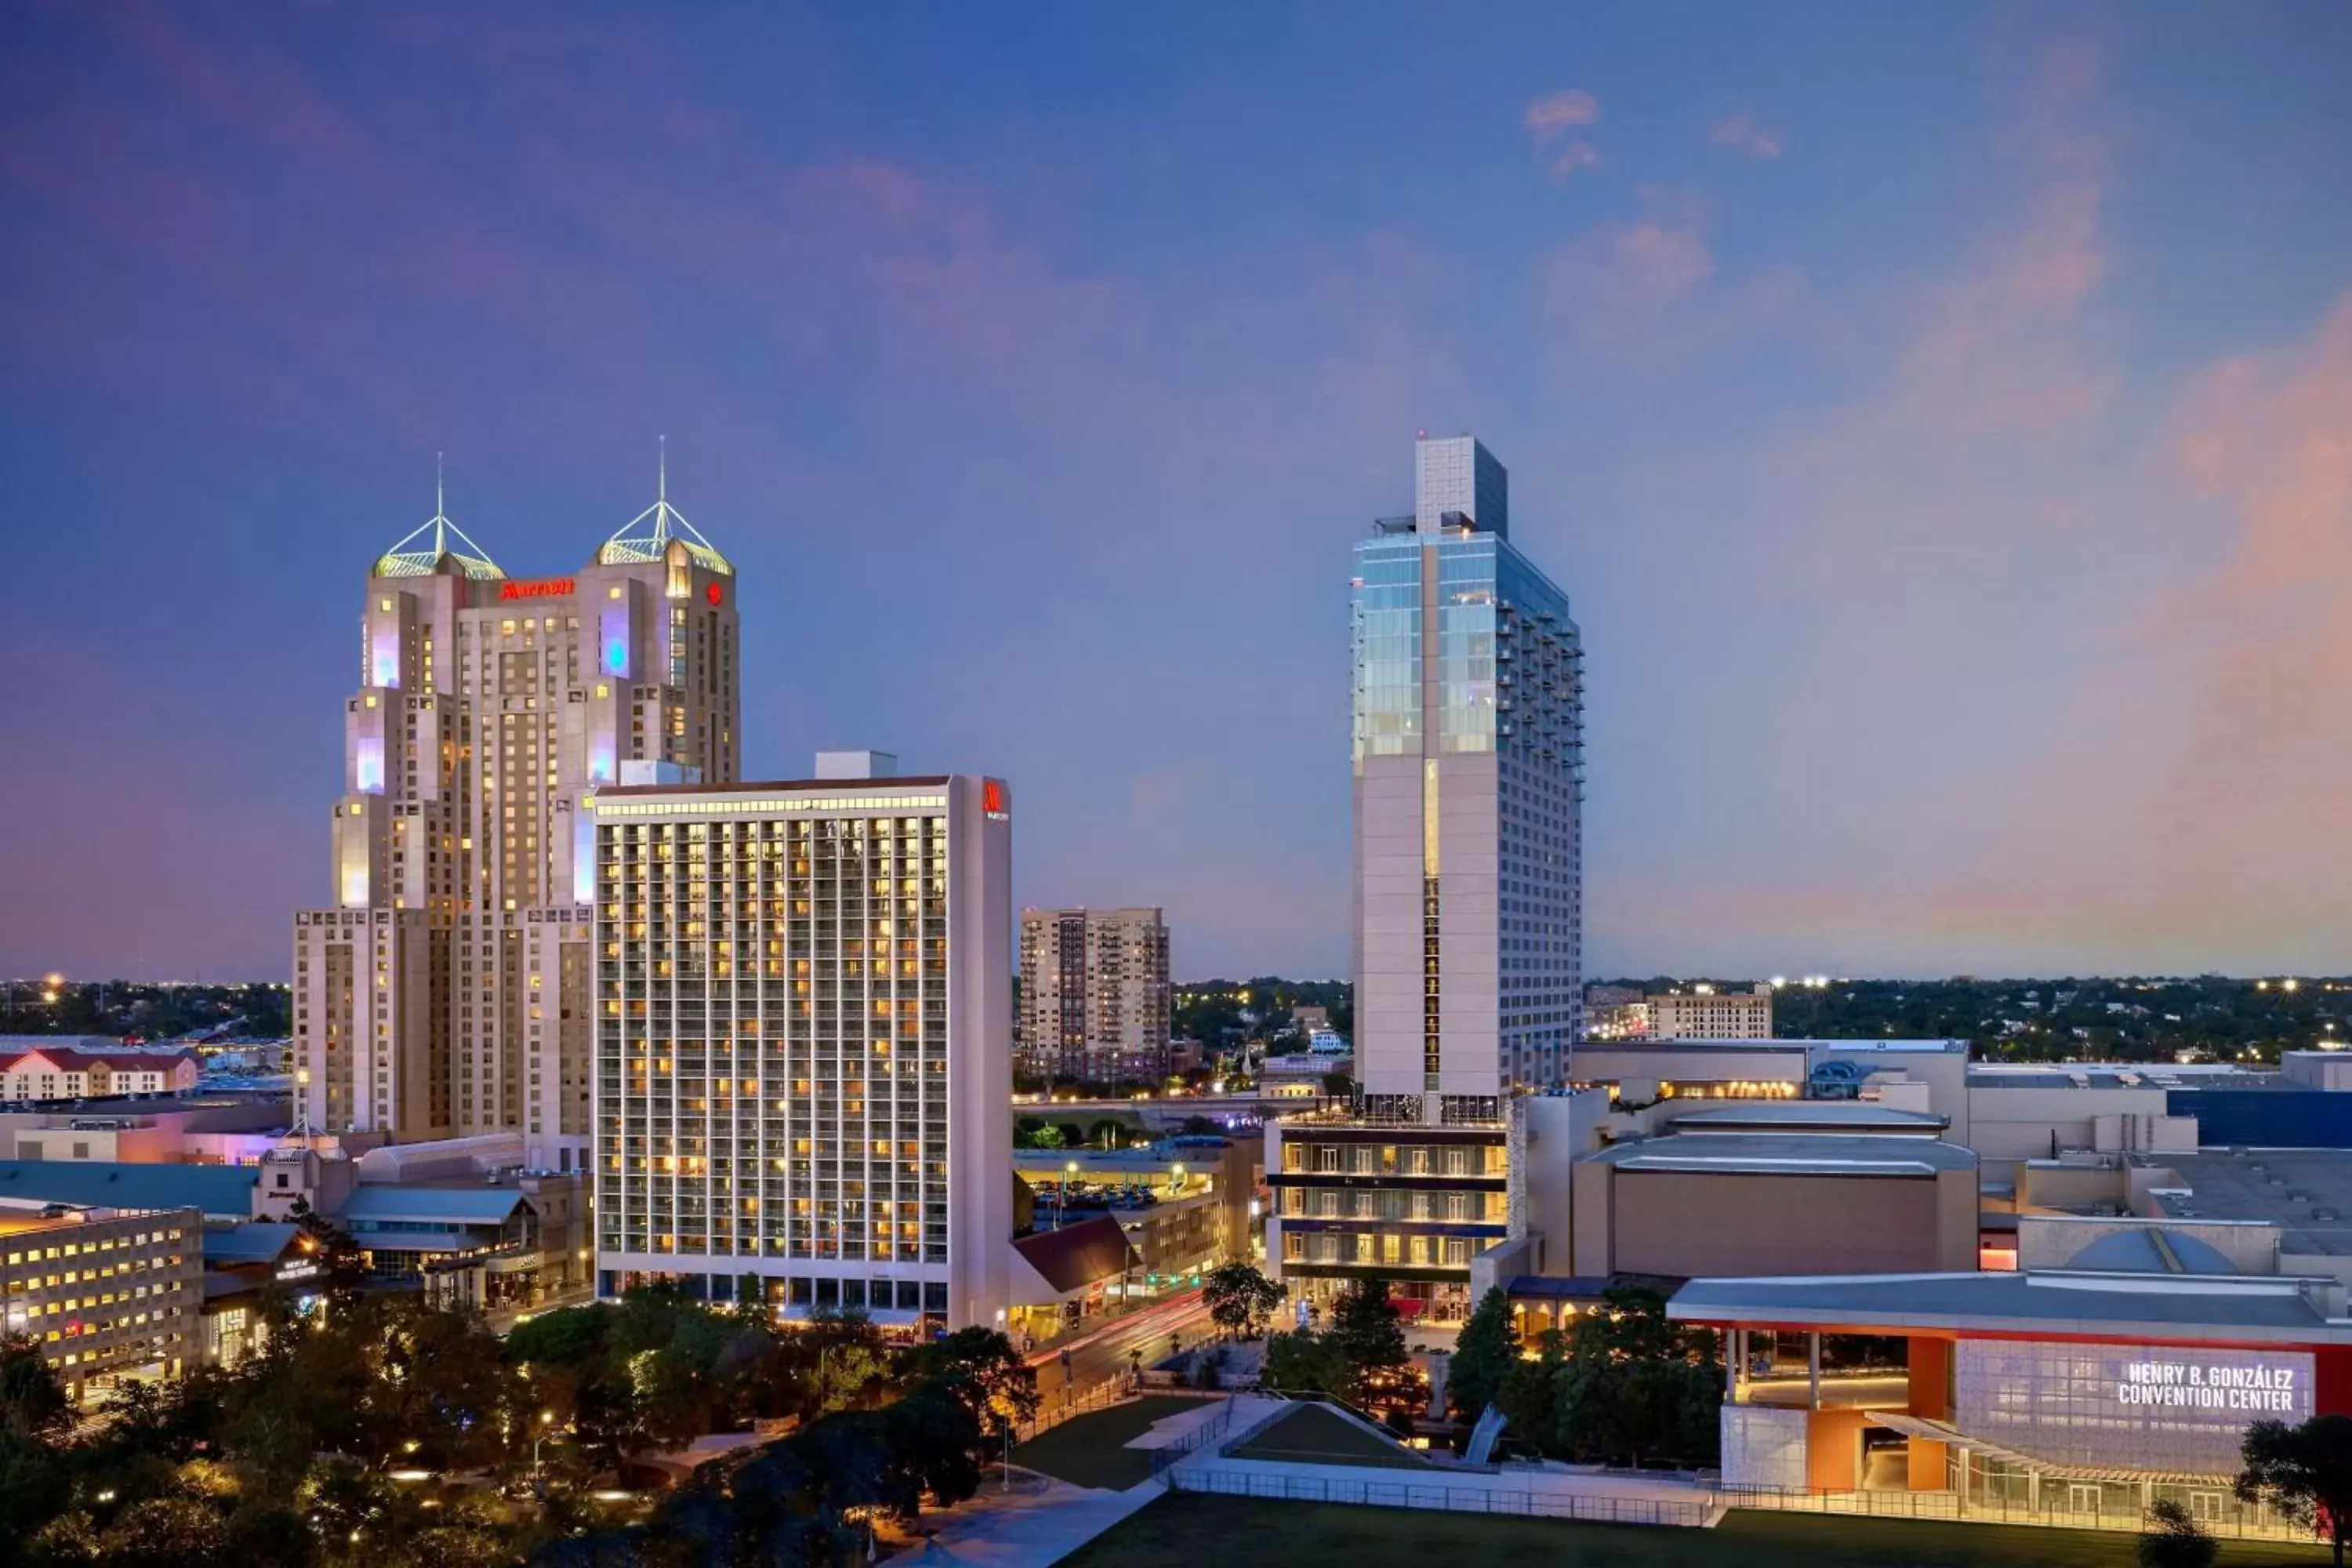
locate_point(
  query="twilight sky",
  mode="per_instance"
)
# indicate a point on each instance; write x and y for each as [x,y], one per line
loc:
[1940,417]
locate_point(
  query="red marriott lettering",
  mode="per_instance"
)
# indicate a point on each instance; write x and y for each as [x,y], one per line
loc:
[991,799]
[545,588]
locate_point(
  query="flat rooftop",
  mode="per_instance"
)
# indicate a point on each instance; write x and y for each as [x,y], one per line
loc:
[2120,1075]
[2306,1193]
[1807,1116]
[1787,1154]
[2195,1308]
[1930,1047]
[888,784]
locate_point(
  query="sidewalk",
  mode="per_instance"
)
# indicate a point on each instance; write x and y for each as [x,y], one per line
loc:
[1027,1529]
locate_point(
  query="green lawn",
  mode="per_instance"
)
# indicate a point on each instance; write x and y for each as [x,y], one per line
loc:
[1315,1435]
[1185,1530]
[1089,1450]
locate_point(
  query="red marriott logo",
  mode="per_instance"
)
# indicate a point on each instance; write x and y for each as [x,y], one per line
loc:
[991,799]
[545,588]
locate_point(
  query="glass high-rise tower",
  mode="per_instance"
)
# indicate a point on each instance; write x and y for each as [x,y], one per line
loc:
[1468,755]
[1469,703]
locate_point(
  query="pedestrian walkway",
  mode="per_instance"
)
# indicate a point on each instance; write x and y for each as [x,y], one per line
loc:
[1538,1491]
[1027,1529]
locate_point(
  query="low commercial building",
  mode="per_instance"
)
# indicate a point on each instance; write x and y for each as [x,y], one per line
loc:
[106,1292]
[2063,1397]
[1062,1276]
[241,1263]
[62,1072]
[1183,1203]
[1410,1202]
[1714,1199]
[480,1246]
[1915,1075]
[202,1129]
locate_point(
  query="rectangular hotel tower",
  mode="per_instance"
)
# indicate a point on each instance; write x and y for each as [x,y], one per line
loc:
[804,1044]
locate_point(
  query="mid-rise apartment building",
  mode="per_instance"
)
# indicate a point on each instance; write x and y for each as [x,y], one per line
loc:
[446,987]
[804,1015]
[1701,1013]
[1704,1013]
[1095,999]
[103,1292]
[1468,761]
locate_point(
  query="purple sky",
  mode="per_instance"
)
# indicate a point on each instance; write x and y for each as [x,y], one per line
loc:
[1941,419]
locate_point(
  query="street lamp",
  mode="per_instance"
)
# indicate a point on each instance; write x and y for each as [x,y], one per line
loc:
[546,1419]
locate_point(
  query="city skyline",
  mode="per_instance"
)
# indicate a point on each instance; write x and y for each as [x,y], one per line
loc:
[1941,474]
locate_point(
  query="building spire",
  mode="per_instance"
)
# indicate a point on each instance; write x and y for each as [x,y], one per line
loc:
[646,536]
[410,558]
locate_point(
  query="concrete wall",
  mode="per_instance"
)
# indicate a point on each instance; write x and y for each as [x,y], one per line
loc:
[2018,1124]
[2330,1071]
[2049,1183]
[1687,1224]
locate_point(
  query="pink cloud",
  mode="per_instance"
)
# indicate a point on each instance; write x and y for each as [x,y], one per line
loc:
[1550,116]
[1743,134]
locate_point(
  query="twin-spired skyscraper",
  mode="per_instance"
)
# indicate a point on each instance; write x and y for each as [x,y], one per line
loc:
[447,989]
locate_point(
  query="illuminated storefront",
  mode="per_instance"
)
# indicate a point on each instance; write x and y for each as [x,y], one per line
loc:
[2079,1397]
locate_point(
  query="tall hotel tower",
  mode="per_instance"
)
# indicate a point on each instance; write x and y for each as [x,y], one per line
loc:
[804,1028]
[1469,896]
[1469,782]
[447,989]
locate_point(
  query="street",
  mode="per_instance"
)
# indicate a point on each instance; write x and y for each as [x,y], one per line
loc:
[1103,1353]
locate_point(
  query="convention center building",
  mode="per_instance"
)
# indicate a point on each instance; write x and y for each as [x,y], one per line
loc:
[2078,1396]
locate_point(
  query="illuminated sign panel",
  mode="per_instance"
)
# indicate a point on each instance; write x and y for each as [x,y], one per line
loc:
[543,588]
[992,801]
[2126,1406]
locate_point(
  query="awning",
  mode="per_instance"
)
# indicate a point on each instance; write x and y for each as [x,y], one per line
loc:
[1935,1431]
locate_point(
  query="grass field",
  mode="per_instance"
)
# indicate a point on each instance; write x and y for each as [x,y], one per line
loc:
[1314,1435]
[1090,1451]
[1185,1530]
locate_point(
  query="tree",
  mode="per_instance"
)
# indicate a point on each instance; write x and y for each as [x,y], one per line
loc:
[979,1368]
[2173,1540]
[32,1401]
[1485,1351]
[1307,1363]
[1528,1395]
[1368,1330]
[1240,1298]
[2303,1472]
[339,1265]
[1633,1384]
[167,1533]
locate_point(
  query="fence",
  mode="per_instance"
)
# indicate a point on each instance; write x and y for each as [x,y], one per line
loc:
[1217,1429]
[1582,1507]
[2243,1523]
[1095,1396]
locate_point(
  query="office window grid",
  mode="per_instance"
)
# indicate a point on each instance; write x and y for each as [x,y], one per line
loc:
[772,1039]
